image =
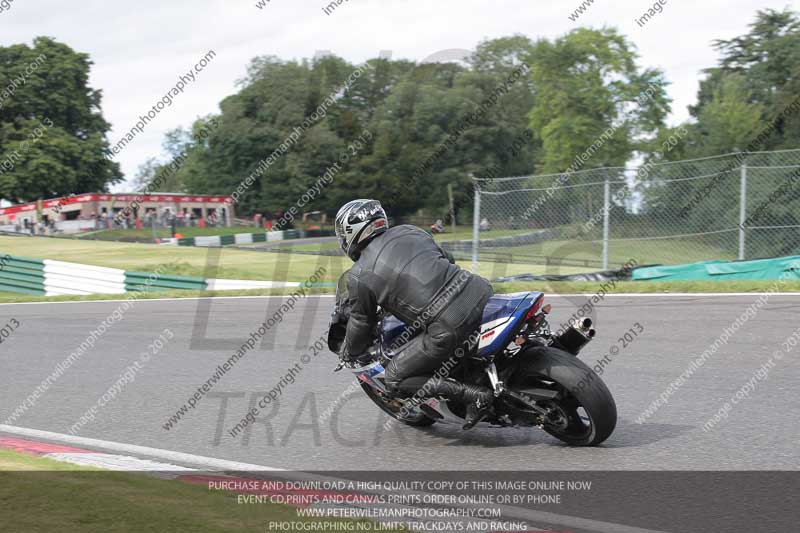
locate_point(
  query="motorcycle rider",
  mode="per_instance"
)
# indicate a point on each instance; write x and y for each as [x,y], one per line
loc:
[404,271]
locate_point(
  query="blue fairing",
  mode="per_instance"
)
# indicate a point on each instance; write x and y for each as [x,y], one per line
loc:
[500,309]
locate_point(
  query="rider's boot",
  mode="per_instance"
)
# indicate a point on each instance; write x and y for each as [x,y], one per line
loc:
[477,399]
[477,410]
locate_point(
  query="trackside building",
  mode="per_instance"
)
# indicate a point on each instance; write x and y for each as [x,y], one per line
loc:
[84,212]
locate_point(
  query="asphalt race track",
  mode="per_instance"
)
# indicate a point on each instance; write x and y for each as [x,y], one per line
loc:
[756,435]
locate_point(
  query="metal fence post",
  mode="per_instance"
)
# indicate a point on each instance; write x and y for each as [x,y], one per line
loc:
[476,221]
[742,209]
[606,213]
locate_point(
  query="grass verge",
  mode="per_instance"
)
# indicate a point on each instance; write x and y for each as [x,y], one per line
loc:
[233,264]
[176,260]
[645,287]
[38,494]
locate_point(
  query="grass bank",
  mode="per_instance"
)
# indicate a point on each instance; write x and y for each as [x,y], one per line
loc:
[194,261]
[40,495]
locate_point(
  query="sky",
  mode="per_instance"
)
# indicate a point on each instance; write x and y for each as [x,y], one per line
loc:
[141,48]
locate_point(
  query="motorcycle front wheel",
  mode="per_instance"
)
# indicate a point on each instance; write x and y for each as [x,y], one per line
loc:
[584,412]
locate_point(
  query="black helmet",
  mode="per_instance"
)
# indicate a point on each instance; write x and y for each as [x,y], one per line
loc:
[357,222]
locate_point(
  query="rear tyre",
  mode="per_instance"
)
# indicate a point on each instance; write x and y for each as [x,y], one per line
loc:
[393,407]
[585,414]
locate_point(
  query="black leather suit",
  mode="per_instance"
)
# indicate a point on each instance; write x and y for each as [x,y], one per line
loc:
[405,272]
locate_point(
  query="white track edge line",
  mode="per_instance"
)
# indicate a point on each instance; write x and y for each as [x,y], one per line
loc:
[133,449]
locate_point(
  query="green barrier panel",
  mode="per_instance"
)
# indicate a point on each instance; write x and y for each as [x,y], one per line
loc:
[22,283]
[21,290]
[186,241]
[28,276]
[160,288]
[759,269]
[11,267]
[145,281]
[291,234]
[132,274]
[259,237]
[22,262]
[22,275]
[172,285]
[227,239]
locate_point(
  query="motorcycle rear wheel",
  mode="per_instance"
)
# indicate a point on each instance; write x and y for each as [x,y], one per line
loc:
[392,407]
[586,411]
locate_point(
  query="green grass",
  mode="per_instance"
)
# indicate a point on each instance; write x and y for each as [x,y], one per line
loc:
[627,287]
[308,247]
[462,233]
[667,251]
[664,251]
[191,261]
[20,462]
[239,264]
[178,260]
[40,495]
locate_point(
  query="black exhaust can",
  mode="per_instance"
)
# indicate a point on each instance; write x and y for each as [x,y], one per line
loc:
[575,337]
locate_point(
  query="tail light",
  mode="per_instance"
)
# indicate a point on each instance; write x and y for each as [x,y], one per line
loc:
[535,307]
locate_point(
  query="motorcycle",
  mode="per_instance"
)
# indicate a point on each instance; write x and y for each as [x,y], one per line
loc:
[535,374]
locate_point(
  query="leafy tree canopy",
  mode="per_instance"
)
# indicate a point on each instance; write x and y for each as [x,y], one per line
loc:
[52,132]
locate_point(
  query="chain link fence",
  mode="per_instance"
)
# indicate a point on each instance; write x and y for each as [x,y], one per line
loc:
[734,206]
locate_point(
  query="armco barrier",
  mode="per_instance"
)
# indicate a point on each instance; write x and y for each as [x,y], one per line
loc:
[23,275]
[243,284]
[55,278]
[244,238]
[62,278]
[147,282]
[207,241]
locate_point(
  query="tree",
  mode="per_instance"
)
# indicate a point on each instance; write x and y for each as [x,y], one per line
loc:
[52,132]
[593,107]
[445,121]
[748,102]
[765,64]
[585,83]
